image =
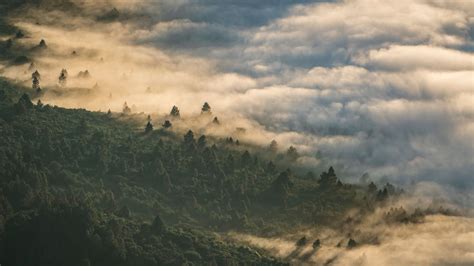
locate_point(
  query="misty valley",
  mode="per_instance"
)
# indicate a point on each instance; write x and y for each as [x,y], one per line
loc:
[235,133]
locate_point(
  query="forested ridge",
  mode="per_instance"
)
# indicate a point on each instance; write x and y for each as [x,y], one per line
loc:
[94,188]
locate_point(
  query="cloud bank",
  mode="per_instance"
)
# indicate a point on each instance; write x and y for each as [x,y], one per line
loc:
[367,86]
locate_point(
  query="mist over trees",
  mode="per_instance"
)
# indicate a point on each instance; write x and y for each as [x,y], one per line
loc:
[143,184]
[98,178]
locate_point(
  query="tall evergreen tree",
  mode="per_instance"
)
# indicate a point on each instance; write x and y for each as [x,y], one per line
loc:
[126,109]
[63,77]
[206,109]
[35,77]
[175,112]
[273,146]
[189,137]
[292,153]
[148,127]
[167,124]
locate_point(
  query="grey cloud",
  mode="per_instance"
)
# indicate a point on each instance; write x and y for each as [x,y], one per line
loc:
[374,86]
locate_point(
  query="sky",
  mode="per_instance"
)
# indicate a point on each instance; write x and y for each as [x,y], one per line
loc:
[378,87]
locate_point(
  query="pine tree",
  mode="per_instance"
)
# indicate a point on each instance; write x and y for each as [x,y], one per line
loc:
[175,111]
[149,127]
[202,142]
[42,44]
[292,153]
[189,137]
[158,226]
[126,109]
[372,188]
[167,124]
[63,78]
[273,146]
[206,109]
[328,179]
[216,121]
[36,76]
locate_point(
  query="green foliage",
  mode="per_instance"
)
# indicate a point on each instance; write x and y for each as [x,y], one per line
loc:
[88,180]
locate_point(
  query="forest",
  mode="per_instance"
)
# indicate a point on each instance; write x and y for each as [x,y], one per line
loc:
[98,188]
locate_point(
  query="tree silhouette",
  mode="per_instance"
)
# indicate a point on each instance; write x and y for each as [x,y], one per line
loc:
[167,124]
[292,153]
[42,44]
[316,243]
[126,109]
[189,137]
[328,179]
[273,146]
[202,142]
[63,77]
[19,34]
[175,111]
[351,243]
[158,226]
[148,127]
[35,77]
[206,109]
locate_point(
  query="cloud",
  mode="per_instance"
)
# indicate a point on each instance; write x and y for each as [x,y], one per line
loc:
[370,86]
[435,239]
[409,58]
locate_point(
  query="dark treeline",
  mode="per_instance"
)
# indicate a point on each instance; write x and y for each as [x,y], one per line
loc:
[87,188]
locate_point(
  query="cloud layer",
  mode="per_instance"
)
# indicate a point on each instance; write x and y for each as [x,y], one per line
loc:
[370,86]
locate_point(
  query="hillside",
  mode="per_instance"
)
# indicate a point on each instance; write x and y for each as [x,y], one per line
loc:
[102,185]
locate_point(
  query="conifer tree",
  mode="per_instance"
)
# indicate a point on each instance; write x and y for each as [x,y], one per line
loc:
[126,109]
[149,127]
[273,146]
[175,111]
[206,109]
[292,153]
[63,78]
[189,137]
[35,77]
[167,124]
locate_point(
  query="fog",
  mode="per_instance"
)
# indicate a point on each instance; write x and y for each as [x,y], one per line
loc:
[434,239]
[366,86]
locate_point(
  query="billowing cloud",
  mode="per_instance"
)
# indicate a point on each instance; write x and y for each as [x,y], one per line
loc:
[370,86]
